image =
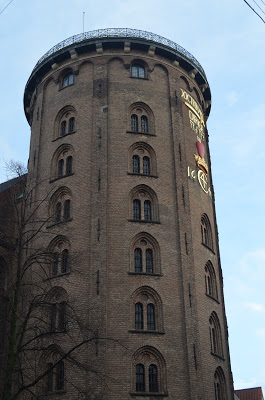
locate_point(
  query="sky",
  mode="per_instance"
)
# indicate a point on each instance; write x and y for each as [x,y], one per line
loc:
[228,39]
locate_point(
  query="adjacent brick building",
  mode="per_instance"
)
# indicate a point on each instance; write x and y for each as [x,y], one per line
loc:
[119,151]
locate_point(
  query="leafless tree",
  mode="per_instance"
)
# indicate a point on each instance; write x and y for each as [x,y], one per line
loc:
[36,316]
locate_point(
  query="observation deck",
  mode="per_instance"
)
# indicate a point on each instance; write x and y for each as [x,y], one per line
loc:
[112,38]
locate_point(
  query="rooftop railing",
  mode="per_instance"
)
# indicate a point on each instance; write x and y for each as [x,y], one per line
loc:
[122,33]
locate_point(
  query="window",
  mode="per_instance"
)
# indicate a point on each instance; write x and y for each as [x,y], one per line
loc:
[206,232]
[136,164]
[60,256]
[140,378]
[139,317]
[134,123]
[151,326]
[147,310]
[69,163]
[149,261]
[145,255]
[71,125]
[58,212]
[57,300]
[146,165]
[141,119]
[65,122]
[215,335]
[147,210]
[61,206]
[220,385]
[65,261]
[136,209]
[148,372]
[61,168]
[63,128]
[66,214]
[144,124]
[210,281]
[142,159]
[153,379]
[67,209]
[138,261]
[58,317]
[138,71]
[68,80]
[55,376]
[144,204]
[64,160]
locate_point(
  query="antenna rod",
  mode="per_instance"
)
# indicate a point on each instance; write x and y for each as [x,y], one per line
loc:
[83,22]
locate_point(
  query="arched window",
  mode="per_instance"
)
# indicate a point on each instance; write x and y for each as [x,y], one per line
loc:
[136,210]
[65,122]
[146,165]
[71,126]
[134,123]
[60,256]
[148,372]
[63,128]
[145,255]
[68,80]
[67,209]
[206,232]
[57,298]
[149,261]
[58,317]
[139,317]
[220,385]
[142,159]
[58,212]
[55,374]
[69,163]
[60,205]
[65,261]
[62,163]
[144,124]
[138,261]
[147,309]
[141,119]
[138,71]
[210,281]
[215,335]
[136,164]
[153,379]
[60,168]
[147,210]
[151,326]
[144,204]
[140,378]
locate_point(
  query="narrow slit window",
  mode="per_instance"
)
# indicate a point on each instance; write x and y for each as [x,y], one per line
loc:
[69,165]
[136,210]
[149,261]
[151,317]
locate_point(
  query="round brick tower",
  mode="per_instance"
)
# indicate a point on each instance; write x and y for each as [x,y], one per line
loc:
[119,148]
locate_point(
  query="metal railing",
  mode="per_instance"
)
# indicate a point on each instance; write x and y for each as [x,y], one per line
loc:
[122,33]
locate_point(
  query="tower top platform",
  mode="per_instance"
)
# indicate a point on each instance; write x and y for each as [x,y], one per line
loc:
[112,38]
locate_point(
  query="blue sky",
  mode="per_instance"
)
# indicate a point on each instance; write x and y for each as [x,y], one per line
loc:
[227,38]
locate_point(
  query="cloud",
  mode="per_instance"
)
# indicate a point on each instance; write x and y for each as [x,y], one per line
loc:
[245,384]
[255,307]
[232,98]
